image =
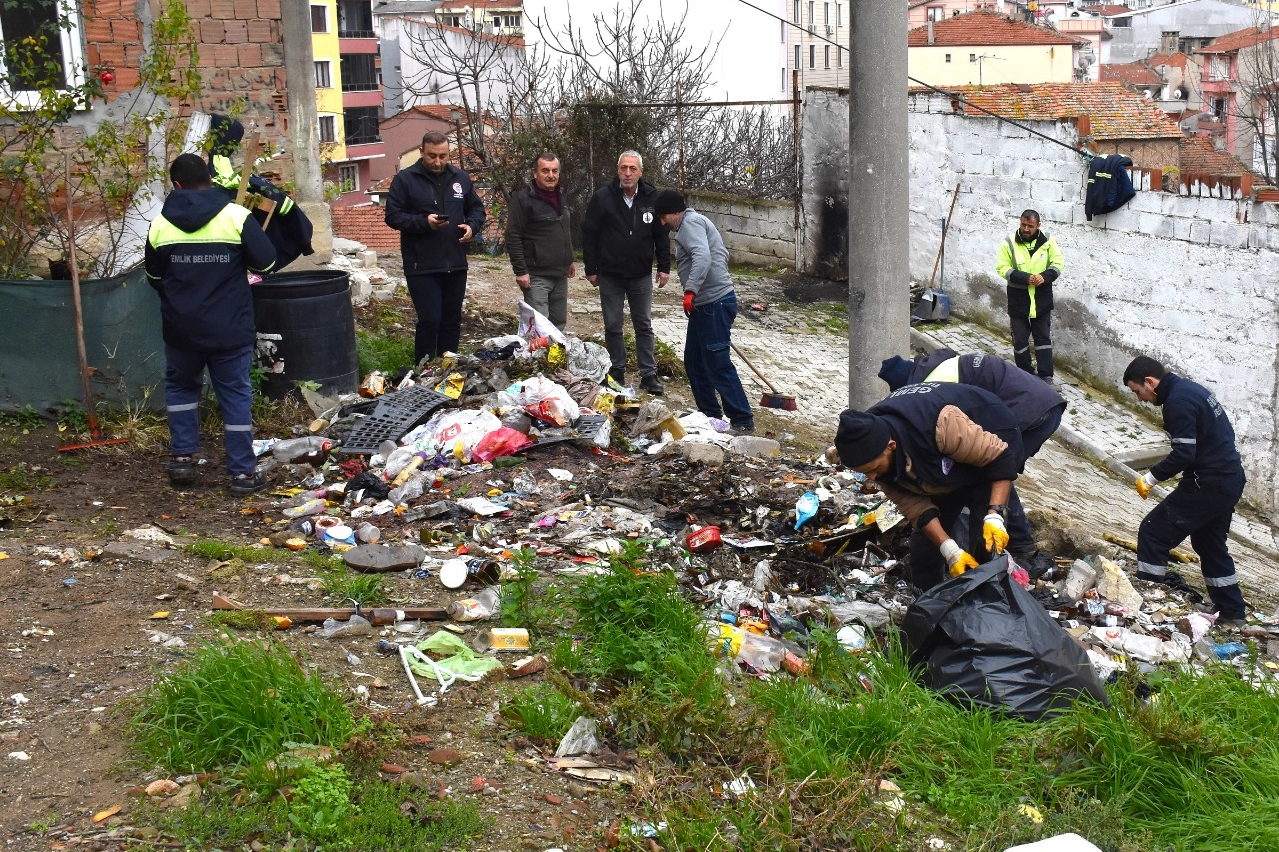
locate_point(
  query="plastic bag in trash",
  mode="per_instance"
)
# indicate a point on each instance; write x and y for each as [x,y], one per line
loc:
[588,360]
[501,442]
[545,400]
[582,738]
[533,324]
[984,641]
[457,432]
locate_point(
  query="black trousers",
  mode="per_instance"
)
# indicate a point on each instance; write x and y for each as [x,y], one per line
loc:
[927,565]
[1200,507]
[437,298]
[1040,328]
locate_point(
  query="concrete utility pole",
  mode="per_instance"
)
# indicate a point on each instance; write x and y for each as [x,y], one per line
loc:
[304,136]
[878,195]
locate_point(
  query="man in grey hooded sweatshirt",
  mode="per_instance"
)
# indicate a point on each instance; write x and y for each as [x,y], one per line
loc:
[710,304]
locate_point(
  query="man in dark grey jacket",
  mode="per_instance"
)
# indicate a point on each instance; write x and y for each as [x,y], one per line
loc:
[540,243]
[621,236]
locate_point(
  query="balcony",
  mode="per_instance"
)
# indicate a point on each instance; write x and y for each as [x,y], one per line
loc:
[359,72]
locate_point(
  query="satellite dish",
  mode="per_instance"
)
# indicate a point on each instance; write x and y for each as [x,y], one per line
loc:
[1146,94]
[1178,94]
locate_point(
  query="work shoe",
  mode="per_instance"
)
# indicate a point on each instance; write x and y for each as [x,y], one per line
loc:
[650,384]
[244,484]
[742,430]
[181,471]
[1231,623]
[1174,581]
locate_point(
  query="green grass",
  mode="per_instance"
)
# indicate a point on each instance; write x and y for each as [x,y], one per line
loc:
[343,584]
[234,706]
[387,353]
[20,477]
[24,419]
[542,711]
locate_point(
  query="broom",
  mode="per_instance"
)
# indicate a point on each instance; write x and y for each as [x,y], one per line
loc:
[771,399]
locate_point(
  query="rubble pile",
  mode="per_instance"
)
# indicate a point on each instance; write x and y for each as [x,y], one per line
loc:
[526,450]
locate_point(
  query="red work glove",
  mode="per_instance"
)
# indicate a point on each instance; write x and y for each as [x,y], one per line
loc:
[688,303]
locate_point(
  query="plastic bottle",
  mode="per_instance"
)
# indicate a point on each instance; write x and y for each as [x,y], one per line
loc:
[314,506]
[312,449]
[368,533]
[762,653]
[410,490]
[483,605]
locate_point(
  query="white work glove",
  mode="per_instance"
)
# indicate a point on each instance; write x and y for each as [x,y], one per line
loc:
[995,534]
[1145,483]
[956,557]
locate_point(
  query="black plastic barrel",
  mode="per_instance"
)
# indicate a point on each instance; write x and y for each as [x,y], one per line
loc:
[311,313]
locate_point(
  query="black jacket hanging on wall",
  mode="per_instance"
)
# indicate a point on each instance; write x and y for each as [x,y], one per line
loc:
[1109,186]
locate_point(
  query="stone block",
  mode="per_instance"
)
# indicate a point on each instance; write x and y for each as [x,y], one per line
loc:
[1200,231]
[1016,188]
[1045,190]
[1005,129]
[1229,234]
[1180,228]
[1042,169]
[1146,202]
[1056,211]
[1156,225]
[1122,219]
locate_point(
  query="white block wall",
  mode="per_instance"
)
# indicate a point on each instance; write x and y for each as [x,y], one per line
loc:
[1189,281]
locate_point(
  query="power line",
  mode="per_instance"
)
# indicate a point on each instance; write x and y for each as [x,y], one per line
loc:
[953,95]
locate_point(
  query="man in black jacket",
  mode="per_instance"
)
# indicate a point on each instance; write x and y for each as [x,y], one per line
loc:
[935,449]
[621,235]
[433,205]
[197,255]
[1202,504]
[1034,404]
[539,242]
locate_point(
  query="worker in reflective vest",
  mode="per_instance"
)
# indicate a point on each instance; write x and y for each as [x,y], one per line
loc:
[1030,262]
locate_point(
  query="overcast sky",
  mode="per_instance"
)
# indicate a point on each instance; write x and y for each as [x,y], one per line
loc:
[748,65]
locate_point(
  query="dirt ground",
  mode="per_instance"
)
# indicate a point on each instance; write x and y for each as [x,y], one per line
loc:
[92,618]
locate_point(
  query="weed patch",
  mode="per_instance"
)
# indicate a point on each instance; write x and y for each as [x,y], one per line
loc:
[25,419]
[235,705]
[542,711]
[344,584]
[387,353]
[20,477]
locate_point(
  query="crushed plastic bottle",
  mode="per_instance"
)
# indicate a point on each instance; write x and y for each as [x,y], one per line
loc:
[410,490]
[312,449]
[314,506]
[354,626]
[483,605]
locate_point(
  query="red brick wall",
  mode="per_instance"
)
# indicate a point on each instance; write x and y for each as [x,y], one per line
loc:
[366,225]
[241,58]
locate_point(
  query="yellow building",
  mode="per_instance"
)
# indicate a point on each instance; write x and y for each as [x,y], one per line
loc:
[986,48]
[327,54]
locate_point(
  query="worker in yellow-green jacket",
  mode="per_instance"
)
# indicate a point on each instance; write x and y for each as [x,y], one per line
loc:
[1030,262]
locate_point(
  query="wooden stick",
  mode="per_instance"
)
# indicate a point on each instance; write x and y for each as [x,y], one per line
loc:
[378,615]
[945,228]
[252,147]
[755,370]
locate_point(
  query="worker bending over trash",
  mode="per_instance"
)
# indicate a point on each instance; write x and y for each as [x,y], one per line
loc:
[936,449]
[1034,404]
[1202,504]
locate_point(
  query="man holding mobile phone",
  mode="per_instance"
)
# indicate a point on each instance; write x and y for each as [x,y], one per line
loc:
[433,205]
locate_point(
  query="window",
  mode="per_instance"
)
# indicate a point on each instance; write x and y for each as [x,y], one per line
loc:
[797,59]
[972,57]
[361,125]
[359,72]
[826,14]
[355,19]
[348,178]
[323,74]
[782,24]
[811,18]
[948,57]
[510,22]
[839,15]
[1217,66]
[936,13]
[797,11]
[827,60]
[839,56]
[812,56]
[319,19]
[1218,108]
[328,128]
[59,62]
[783,79]
[452,20]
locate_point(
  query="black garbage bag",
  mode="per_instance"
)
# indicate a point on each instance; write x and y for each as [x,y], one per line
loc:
[983,641]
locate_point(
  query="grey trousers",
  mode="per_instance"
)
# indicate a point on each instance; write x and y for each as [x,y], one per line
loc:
[614,293]
[549,297]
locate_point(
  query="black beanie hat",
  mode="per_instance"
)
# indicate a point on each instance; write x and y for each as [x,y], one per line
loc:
[896,372]
[669,201]
[861,437]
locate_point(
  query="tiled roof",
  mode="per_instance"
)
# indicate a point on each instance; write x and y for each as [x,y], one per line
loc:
[1176,60]
[1200,157]
[1230,42]
[1132,73]
[481,5]
[1109,9]
[1115,112]
[365,224]
[981,28]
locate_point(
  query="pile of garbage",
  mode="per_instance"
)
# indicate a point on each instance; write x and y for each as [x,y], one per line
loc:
[453,471]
